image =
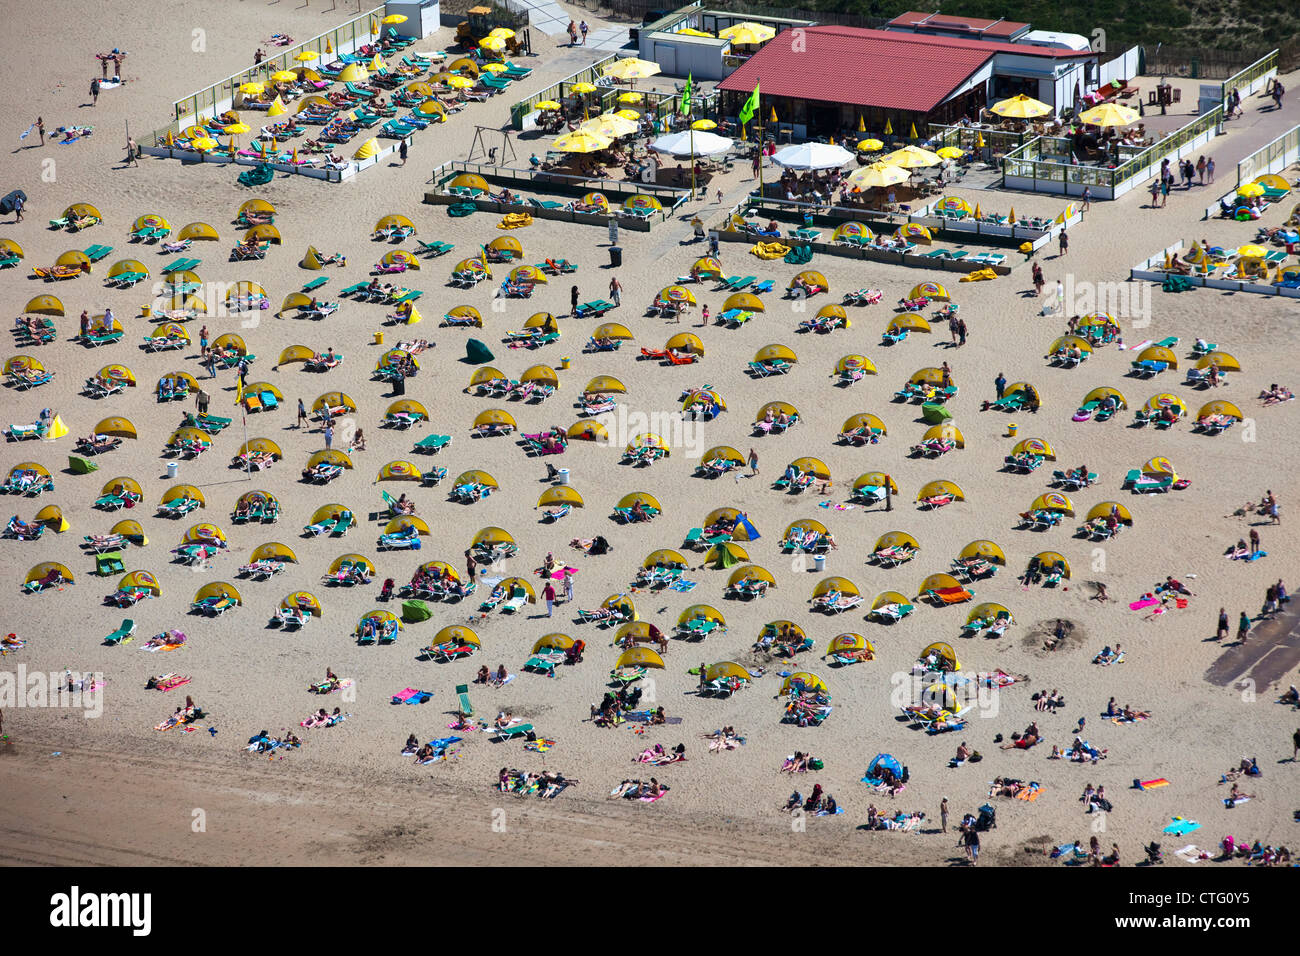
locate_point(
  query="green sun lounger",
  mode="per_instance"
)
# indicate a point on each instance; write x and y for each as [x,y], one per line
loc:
[180,265]
[315,283]
[432,444]
[518,730]
[123,634]
[95,253]
[435,248]
[353,288]
[462,696]
[1168,342]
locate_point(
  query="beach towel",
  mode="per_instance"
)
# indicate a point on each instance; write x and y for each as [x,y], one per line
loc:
[1231,802]
[1150,784]
[1181,827]
[1145,602]
[1030,793]
[663,792]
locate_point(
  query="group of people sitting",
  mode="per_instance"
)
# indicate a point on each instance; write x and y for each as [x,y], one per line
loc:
[819,803]
[1276,394]
[639,789]
[547,784]
[1125,713]
[496,678]
[658,755]
[614,706]
[1046,701]
[323,719]
[800,762]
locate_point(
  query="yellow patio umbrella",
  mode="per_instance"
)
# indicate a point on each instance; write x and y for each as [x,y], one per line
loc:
[377,64]
[354,73]
[1252,251]
[306,56]
[878,174]
[582,141]
[494,44]
[950,152]
[912,157]
[630,97]
[862,124]
[548,105]
[610,125]
[748,33]
[913,136]
[1109,114]
[889,127]
[632,68]
[1021,107]
[277,107]
[252,89]
[979,140]
[582,88]
[236,129]
[774,119]
[692,32]
[284,76]
[204,143]
[494,67]
[504,32]
[870,145]
[704,124]
[394,18]
[1250,190]
[459,82]
[628,115]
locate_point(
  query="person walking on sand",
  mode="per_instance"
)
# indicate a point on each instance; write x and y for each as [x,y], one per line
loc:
[203,342]
[1060,297]
[1087,199]
[329,435]
[1065,241]
[201,401]
[1038,280]
[1155,193]
[94,92]
[40,128]
[1243,627]
[1222,631]
[943,814]
[402,151]
[961,332]
[548,593]
[616,291]
[584,28]
[568,588]
[573,301]
[132,152]
[1254,542]
[1164,193]
[103,66]
[18,208]
[1209,170]
[704,317]
[1000,383]
[302,415]
[753,462]
[572,30]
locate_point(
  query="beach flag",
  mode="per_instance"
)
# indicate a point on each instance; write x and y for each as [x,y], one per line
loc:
[487,269]
[862,124]
[57,428]
[889,127]
[239,391]
[750,106]
[914,136]
[685,107]
[774,119]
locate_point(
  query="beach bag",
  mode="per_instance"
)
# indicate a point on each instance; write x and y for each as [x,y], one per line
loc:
[816,764]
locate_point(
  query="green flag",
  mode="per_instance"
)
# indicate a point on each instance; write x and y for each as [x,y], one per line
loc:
[685,108]
[751,106]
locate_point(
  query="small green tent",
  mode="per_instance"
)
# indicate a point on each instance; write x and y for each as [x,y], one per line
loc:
[934,414]
[477,353]
[413,611]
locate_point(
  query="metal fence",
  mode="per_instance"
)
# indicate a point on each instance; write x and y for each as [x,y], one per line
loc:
[995,141]
[211,100]
[556,92]
[1196,62]
[1272,158]
[1244,79]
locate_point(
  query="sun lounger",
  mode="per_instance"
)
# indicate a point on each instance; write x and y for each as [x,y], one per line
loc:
[950,595]
[123,634]
[594,308]
[506,733]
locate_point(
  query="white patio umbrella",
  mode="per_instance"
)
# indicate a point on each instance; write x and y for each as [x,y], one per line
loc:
[813,156]
[691,143]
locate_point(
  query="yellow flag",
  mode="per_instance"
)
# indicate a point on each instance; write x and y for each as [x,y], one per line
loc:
[239,391]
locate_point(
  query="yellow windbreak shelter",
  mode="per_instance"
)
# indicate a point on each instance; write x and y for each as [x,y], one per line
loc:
[401,257]
[456,633]
[1163,400]
[303,601]
[44,305]
[486,373]
[396,357]
[296,353]
[909,321]
[560,495]
[588,431]
[128,267]
[1102,392]
[258,497]
[937,582]
[847,643]
[990,611]
[776,353]
[356,560]
[31,466]
[886,598]
[1034,446]
[706,612]
[833,310]
[45,569]
[664,558]
[274,551]
[296,300]
[492,535]
[725,554]
[647,440]
[262,446]
[723,453]
[74,257]
[10,247]
[852,229]
[204,532]
[986,549]
[751,572]
[813,466]
[52,517]
[81,210]
[552,642]
[707,267]
[330,456]
[687,342]
[218,589]
[636,632]
[394,221]
[1158,353]
[1053,501]
[518,584]
[404,523]
[803,681]
[746,301]
[941,486]
[399,470]
[380,617]
[732,515]
[172,331]
[408,407]
[1224,361]
[230,342]
[1219,408]
[1069,342]
[1050,560]
[945,431]
[1103,508]
[929,376]
[115,486]
[864,420]
[261,207]
[855,362]
[943,653]
[19,364]
[693,397]
[810,277]
[836,583]
[724,669]
[604,384]
[197,231]
[476,476]
[896,539]
[334,401]
[639,657]
[494,416]
[117,427]
[644,499]
[506,244]
[929,290]
[875,479]
[542,375]
[776,408]
[177,492]
[607,330]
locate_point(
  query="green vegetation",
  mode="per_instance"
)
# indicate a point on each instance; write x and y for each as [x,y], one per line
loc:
[1219,24]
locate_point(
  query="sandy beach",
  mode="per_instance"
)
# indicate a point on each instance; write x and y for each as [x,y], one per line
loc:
[349,796]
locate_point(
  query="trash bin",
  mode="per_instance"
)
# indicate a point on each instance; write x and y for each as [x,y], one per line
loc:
[173,469]
[563,475]
[615,256]
[564,362]
[379,338]
[819,562]
[1011,430]
[399,385]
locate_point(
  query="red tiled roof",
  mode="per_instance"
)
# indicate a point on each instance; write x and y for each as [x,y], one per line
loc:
[885,69]
[976,25]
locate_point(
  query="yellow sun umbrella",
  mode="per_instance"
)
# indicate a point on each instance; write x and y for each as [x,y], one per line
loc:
[1252,251]
[252,89]
[393,18]
[1109,114]
[610,125]
[950,152]
[459,82]
[494,67]
[306,56]
[870,145]
[582,141]
[632,68]
[631,97]
[205,142]
[284,76]
[504,32]
[878,174]
[494,44]
[548,105]
[911,157]
[1250,190]
[628,115]
[747,33]
[582,88]
[1021,107]
[704,125]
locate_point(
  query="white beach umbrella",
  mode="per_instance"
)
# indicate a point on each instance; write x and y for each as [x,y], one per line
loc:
[691,142]
[813,156]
